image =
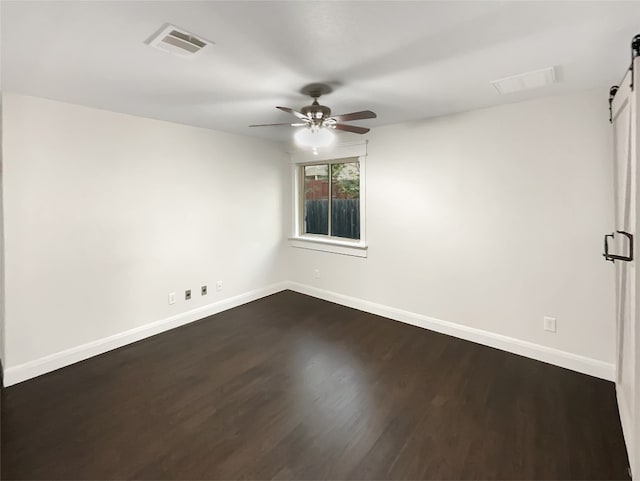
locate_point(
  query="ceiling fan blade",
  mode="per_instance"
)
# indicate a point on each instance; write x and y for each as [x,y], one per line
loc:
[270,125]
[293,112]
[351,128]
[365,114]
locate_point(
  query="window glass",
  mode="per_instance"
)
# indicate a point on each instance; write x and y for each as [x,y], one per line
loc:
[316,199]
[345,200]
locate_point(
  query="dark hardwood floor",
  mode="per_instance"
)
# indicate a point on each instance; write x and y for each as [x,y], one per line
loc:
[292,387]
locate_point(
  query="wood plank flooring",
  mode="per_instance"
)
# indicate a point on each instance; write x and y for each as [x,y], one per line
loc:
[292,387]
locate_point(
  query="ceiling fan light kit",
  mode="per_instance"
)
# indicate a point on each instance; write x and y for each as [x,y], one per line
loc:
[314,137]
[317,122]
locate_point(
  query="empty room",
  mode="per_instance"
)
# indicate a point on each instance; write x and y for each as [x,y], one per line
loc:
[319,240]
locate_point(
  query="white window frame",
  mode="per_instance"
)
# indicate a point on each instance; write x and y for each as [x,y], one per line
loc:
[321,242]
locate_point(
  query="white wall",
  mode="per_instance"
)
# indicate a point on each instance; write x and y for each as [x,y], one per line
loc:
[2,296]
[490,219]
[105,214]
[1,224]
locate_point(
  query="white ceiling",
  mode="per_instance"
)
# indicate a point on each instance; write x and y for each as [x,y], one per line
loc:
[404,60]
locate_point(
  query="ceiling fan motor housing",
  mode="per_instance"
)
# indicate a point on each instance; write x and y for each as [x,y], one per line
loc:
[315,111]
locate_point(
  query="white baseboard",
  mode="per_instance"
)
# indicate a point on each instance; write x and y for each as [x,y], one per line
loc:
[43,365]
[31,369]
[582,364]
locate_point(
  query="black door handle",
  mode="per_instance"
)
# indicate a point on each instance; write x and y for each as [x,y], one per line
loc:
[615,257]
[606,247]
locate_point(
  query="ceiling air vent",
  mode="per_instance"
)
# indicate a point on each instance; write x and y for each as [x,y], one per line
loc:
[177,41]
[525,81]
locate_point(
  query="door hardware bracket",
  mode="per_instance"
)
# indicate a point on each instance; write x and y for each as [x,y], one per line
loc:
[635,51]
[612,93]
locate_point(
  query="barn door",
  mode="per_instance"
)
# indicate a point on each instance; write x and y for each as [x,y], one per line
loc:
[619,248]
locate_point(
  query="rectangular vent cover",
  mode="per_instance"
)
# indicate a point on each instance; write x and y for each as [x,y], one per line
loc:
[525,81]
[177,41]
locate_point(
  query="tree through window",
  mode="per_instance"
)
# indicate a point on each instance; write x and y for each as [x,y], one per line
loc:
[338,182]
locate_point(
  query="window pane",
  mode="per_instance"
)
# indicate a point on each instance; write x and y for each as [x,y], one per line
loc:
[345,200]
[316,199]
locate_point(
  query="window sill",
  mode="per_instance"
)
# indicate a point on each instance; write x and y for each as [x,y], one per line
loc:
[347,248]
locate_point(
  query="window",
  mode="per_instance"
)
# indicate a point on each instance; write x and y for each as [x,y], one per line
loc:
[330,205]
[331,202]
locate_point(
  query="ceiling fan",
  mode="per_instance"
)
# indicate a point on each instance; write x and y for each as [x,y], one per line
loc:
[318,119]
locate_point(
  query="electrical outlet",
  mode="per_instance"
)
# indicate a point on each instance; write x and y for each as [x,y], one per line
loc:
[187,294]
[203,291]
[549,324]
[219,286]
[172,298]
[316,273]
